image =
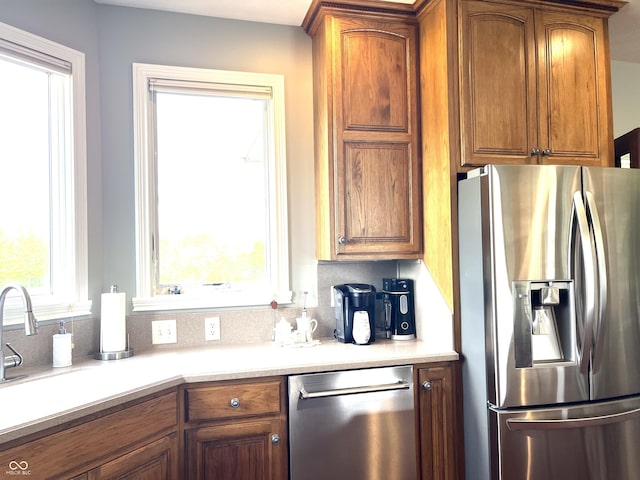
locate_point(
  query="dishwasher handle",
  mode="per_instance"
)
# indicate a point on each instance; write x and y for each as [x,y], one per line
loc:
[399,385]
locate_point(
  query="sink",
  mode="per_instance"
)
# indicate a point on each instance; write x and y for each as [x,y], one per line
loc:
[38,376]
[17,378]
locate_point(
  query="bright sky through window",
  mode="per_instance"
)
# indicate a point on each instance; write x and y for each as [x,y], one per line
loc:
[212,200]
[24,183]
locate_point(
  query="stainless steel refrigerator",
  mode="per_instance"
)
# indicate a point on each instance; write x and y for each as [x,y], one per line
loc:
[550,322]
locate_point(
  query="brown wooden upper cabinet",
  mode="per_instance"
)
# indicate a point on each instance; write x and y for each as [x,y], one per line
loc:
[534,86]
[367,164]
[498,80]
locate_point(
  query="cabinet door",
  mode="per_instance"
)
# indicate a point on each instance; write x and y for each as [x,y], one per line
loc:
[155,461]
[437,423]
[498,84]
[533,80]
[241,451]
[573,79]
[377,209]
[376,185]
[375,69]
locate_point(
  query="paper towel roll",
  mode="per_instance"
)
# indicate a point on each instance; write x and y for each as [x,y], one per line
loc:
[113,329]
[62,346]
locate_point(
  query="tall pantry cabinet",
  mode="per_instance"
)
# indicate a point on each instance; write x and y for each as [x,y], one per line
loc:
[515,82]
[367,164]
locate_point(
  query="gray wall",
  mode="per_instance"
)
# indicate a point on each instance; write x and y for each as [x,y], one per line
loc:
[129,36]
[625,81]
[74,23]
[113,38]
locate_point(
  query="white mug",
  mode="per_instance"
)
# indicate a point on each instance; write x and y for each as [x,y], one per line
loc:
[307,325]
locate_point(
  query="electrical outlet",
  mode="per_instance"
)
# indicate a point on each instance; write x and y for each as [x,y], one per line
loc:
[163,331]
[212,328]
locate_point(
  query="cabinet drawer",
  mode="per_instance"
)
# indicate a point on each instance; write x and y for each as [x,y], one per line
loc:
[232,400]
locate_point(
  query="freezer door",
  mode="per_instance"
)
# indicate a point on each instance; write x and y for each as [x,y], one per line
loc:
[589,442]
[614,194]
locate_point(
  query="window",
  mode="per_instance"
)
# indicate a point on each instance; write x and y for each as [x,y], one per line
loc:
[211,218]
[43,232]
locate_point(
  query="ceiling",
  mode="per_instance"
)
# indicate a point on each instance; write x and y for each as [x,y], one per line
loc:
[285,12]
[624,27]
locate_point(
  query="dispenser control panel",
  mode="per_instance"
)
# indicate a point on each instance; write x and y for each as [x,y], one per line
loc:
[544,322]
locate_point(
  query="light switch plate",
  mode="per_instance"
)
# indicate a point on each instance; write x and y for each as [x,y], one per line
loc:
[163,331]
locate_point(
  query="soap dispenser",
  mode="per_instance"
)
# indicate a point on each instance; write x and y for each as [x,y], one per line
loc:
[62,347]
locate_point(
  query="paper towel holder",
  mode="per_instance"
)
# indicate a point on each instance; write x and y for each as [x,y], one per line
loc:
[126,353]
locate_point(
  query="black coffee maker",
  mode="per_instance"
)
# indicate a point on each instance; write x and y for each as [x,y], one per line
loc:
[355,313]
[399,313]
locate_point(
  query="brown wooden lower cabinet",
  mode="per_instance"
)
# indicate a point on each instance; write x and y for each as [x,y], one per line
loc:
[236,430]
[438,417]
[230,430]
[137,440]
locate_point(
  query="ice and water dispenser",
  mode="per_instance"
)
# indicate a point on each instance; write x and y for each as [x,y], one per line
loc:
[544,322]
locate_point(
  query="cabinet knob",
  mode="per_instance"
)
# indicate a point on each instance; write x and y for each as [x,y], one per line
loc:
[535,152]
[426,385]
[235,403]
[342,240]
[275,439]
[546,152]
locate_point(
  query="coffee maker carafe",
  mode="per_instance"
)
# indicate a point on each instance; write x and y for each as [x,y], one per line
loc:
[355,313]
[399,308]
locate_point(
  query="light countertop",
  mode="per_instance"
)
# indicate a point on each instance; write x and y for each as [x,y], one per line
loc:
[51,396]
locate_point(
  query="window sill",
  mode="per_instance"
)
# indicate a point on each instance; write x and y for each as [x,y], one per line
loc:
[193,302]
[50,309]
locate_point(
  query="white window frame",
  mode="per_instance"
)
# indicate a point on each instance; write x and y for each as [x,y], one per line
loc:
[70,286]
[147,299]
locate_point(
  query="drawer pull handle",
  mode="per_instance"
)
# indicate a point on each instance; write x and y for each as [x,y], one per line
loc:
[275,439]
[235,402]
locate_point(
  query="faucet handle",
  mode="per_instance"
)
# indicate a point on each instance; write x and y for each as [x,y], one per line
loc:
[14,360]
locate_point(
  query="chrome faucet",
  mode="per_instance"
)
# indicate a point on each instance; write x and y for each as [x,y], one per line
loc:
[30,328]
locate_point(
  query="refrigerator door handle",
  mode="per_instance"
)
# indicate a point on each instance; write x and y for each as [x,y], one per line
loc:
[589,281]
[600,325]
[523,424]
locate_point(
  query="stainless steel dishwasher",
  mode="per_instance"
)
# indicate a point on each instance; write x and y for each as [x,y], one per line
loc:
[353,425]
